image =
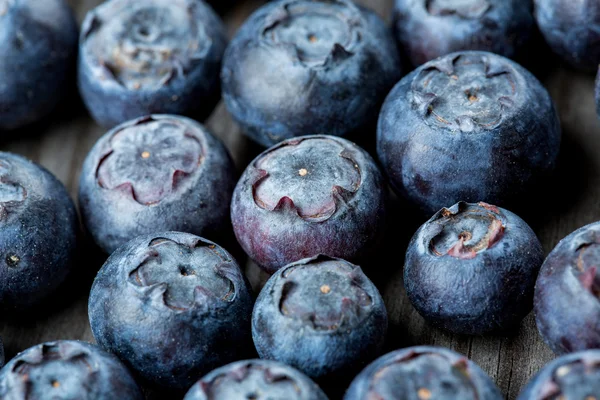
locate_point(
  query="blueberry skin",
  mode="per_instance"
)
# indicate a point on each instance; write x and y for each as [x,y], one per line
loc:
[321,315]
[566,302]
[172,306]
[38,43]
[470,126]
[572,30]
[151,57]
[572,376]
[423,372]
[67,370]
[299,67]
[244,379]
[471,269]
[153,174]
[428,29]
[38,233]
[307,196]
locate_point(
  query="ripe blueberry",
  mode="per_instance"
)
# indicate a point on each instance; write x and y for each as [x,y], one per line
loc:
[423,373]
[471,269]
[572,29]
[67,370]
[38,232]
[320,315]
[428,29]
[153,174]
[307,196]
[299,67]
[469,126]
[172,306]
[573,376]
[150,57]
[38,43]
[255,379]
[567,292]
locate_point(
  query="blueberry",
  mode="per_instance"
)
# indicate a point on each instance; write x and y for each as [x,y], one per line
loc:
[154,56]
[38,43]
[471,269]
[66,370]
[308,196]
[573,376]
[571,28]
[38,232]
[321,315]
[172,306]
[470,126]
[428,29]
[299,67]
[255,379]
[153,174]
[567,292]
[423,373]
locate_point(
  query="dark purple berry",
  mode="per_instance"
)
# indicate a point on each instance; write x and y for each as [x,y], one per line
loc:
[471,269]
[255,379]
[172,306]
[428,29]
[572,29]
[299,67]
[320,315]
[67,370]
[573,376]
[307,196]
[38,44]
[567,293]
[423,373]
[38,233]
[470,126]
[150,57]
[156,173]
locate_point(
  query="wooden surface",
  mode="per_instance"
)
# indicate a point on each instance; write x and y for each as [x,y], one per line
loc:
[573,201]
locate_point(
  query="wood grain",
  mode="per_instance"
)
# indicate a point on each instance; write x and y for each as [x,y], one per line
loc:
[62,143]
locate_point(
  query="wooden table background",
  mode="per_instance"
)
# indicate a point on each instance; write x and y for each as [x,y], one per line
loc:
[62,143]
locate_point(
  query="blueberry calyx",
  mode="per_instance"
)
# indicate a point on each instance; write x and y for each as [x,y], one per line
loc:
[466,9]
[176,275]
[463,230]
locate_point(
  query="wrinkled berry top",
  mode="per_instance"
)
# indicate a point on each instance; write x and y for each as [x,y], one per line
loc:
[185,274]
[310,175]
[12,194]
[467,9]
[465,231]
[152,159]
[468,92]
[326,294]
[146,44]
[574,376]
[256,380]
[317,30]
[66,370]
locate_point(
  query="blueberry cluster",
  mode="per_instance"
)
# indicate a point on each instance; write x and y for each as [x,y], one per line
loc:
[465,134]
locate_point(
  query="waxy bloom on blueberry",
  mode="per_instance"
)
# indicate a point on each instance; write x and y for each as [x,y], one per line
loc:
[321,315]
[153,174]
[307,196]
[469,126]
[567,292]
[309,66]
[38,47]
[172,306]
[471,269]
[67,370]
[154,56]
[253,379]
[423,373]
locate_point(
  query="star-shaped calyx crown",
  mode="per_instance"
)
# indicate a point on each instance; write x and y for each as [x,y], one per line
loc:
[467,9]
